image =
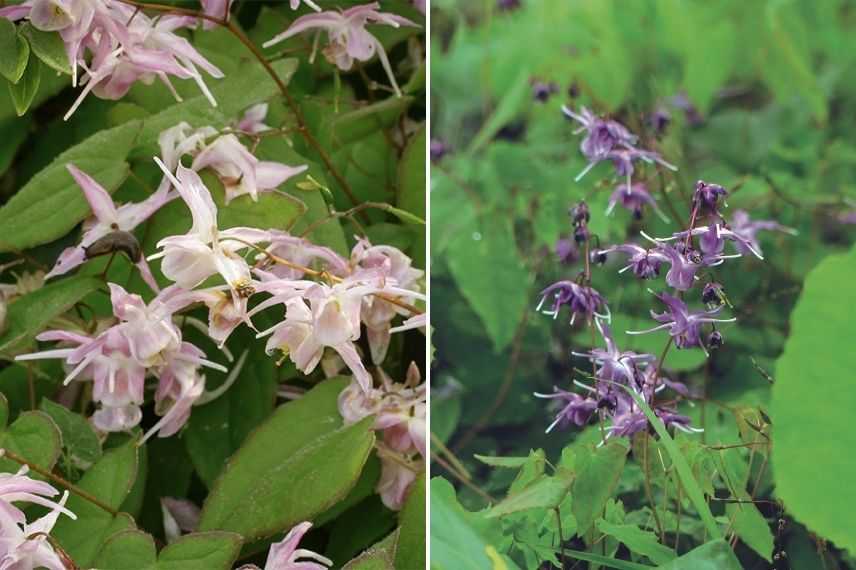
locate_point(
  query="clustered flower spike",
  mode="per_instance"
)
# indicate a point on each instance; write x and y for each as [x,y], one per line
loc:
[399,410]
[116,45]
[610,140]
[348,39]
[689,255]
[23,544]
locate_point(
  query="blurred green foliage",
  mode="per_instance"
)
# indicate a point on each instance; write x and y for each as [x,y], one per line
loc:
[762,99]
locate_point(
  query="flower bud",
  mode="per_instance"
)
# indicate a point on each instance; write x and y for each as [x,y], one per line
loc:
[715,340]
[580,213]
[581,234]
[712,294]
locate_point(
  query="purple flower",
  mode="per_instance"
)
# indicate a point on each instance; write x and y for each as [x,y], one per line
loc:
[745,230]
[439,149]
[645,263]
[582,300]
[706,196]
[712,240]
[633,198]
[684,325]
[623,159]
[613,364]
[576,409]
[682,273]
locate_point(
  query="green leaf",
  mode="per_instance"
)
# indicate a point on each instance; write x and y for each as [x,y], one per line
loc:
[598,472]
[78,436]
[25,89]
[694,492]
[380,556]
[752,528]
[355,125]
[637,540]
[545,493]
[272,483]
[510,462]
[33,436]
[127,550]
[511,104]
[488,271]
[29,314]
[411,189]
[411,536]
[456,544]
[713,555]
[135,550]
[201,551]
[15,50]
[49,48]
[51,203]
[605,560]
[812,405]
[110,480]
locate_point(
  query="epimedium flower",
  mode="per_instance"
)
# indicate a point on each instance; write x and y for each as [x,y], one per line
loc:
[706,197]
[645,263]
[684,325]
[107,219]
[575,409]
[581,299]
[745,231]
[241,172]
[348,39]
[634,198]
[205,250]
[285,554]
[398,471]
[252,122]
[25,545]
[614,364]
[303,253]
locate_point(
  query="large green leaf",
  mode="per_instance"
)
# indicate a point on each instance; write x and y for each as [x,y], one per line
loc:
[598,472]
[78,436]
[545,493]
[813,402]
[488,270]
[713,555]
[109,480]
[135,550]
[411,189]
[51,203]
[49,48]
[274,482]
[411,537]
[33,436]
[638,541]
[381,556]
[29,314]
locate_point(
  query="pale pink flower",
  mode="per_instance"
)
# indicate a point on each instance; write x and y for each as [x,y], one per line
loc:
[106,219]
[23,545]
[285,555]
[205,250]
[179,516]
[241,172]
[348,38]
[182,139]
[295,4]
[303,252]
[253,120]
[179,385]
[397,474]
[225,312]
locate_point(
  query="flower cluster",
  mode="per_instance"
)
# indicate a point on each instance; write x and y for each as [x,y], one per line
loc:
[116,45]
[348,39]
[689,254]
[27,544]
[324,307]
[399,410]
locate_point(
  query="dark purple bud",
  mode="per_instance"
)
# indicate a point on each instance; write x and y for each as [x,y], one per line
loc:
[508,5]
[581,234]
[580,213]
[713,294]
[715,340]
[541,91]
[439,149]
[707,195]
[599,257]
[660,119]
[574,90]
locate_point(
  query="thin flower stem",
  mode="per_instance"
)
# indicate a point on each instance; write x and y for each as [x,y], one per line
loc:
[445,465]
[60,481]
[347,213]
[292,104]
[453,459]
[649,494]
[561,535]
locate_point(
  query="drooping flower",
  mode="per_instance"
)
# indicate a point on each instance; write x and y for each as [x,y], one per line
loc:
[633,198]
[613,364]
[241,172]
[684,325]
[303,253]
[575,409]
[25,545]
[205,250]
[348,38]
[745,231]
[645,263]
[179,516]
[253,120]
[566,251]
[397,473]
[285,555]
[581,299]
[706,197]
[106,220]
